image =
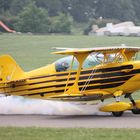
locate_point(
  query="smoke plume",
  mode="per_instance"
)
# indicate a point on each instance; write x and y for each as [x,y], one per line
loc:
[20,105]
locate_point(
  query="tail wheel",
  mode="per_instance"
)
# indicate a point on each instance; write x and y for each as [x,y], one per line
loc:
[136,111]
[117,114]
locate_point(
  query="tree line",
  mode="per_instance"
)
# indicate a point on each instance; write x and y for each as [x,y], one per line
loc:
[57,16]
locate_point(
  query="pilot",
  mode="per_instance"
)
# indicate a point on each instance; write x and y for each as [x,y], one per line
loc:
[63,66]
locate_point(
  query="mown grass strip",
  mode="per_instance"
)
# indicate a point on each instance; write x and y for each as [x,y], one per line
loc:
[15,133]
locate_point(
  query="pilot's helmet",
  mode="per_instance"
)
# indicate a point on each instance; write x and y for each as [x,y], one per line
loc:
[65,64]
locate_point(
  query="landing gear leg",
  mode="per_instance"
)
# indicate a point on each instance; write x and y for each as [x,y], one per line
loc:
[120,113]
[135,110]
[117,108]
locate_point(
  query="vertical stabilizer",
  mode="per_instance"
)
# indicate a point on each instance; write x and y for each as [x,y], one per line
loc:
[9,70]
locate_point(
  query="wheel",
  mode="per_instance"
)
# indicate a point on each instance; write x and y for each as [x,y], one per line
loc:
[136,111]
[117,114]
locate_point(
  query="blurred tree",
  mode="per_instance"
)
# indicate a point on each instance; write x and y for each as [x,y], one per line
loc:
[61,23]
[80,10]
[136,4]
[33,19]
[53,6]
[18,5]
[120,9]
[5,5]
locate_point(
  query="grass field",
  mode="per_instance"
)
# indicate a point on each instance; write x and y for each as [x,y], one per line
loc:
[12,133]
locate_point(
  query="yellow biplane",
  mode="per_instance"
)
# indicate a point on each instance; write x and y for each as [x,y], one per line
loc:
[84,75]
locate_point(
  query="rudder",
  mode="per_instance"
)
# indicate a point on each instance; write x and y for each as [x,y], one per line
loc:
[9,70]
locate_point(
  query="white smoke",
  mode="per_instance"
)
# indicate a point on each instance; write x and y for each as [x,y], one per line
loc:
[20,105]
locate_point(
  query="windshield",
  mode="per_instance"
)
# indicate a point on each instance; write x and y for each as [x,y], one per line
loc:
[64,64]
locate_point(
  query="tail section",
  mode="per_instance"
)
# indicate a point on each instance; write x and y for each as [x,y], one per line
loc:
[9,70]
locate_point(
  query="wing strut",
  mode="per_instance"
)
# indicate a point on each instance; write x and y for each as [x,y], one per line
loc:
[69,74]
[74,89]
[88,81]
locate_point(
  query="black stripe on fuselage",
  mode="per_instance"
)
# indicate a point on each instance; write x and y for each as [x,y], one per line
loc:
[93,75]
[101,81]
[82,83]
[87,88]
[82,77]
[108,69]
[124,67]
[108,80]
[104,75]
[104,86]
[45,76]
[114,74]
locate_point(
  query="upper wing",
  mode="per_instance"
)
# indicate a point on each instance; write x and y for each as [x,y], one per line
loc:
[63,49]
[112,49]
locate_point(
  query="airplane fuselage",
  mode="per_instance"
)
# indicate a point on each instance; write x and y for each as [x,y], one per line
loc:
[46,83]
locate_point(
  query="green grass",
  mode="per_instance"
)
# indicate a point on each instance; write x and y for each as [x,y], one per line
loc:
[15,133]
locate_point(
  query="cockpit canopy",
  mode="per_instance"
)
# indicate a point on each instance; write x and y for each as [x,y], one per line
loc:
[92,60]
[97,56]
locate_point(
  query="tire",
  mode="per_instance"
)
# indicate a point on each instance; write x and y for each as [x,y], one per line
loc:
[136,111]
[117,114]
